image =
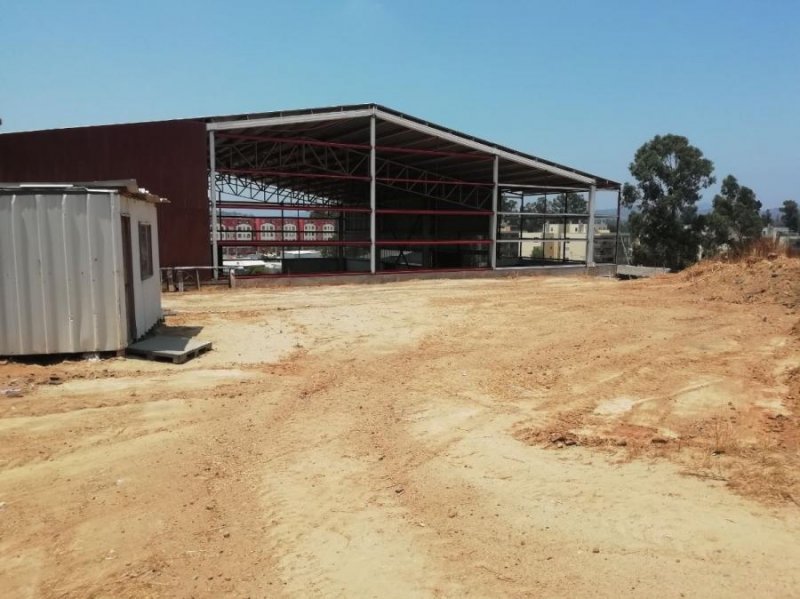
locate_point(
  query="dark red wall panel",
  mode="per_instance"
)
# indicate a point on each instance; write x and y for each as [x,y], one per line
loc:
[169,158]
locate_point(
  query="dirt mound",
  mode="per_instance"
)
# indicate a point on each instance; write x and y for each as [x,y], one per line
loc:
[766,281]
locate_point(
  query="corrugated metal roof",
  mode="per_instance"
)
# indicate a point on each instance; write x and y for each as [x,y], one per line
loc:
[126,187]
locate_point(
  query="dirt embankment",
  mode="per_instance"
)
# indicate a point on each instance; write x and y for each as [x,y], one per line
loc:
[738,421]
[775,281]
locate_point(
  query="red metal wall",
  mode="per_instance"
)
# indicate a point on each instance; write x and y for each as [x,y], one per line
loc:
[169,158]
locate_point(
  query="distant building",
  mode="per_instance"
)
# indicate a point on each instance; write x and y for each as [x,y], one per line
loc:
[604,244]
[555,244]
[272,228]
[783,235]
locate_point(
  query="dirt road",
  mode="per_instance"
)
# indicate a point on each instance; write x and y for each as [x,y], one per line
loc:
[532,437]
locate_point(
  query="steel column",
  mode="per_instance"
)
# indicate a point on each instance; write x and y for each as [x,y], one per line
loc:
[212,196]
[372,198]
[521,223]
[590,227]
[493,224]
[616,235]
[564,235]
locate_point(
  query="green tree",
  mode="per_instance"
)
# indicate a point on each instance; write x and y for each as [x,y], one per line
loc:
[509,203]
[670,175]
[537,205]
[789,216]
[533,223]
[574,202]
[766,218]
[735,220]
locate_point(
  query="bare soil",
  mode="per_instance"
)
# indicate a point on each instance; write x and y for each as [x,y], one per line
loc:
[530,437]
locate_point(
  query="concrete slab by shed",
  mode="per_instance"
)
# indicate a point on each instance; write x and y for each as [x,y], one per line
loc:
[167,347]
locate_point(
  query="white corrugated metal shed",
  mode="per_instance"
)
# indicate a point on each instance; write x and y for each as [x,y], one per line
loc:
[63,272]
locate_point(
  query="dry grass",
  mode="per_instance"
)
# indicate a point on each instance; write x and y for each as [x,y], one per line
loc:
[723,436]
[765,248]
[760,249]
[716,448]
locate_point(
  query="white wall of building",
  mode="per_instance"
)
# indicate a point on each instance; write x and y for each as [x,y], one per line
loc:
[147,291]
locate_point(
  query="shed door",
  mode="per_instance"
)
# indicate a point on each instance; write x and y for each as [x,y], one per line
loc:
[127,263]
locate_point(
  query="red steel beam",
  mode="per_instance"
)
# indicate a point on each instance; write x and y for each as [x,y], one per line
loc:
[309,208]
[433,181]
[273,206]
[410,270]
[287,243]
[290,140]
[402,242]
[385,243]
[351,273]
[435,212]
[421,152]
[257,171]
[329,273]
[354,146]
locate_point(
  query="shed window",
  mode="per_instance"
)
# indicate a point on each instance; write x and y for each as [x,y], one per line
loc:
[145,251]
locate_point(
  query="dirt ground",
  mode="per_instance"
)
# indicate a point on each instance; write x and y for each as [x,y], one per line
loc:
[528,437]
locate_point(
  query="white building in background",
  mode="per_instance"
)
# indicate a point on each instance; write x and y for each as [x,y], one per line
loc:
[783,235]
[556,244]
[79,267]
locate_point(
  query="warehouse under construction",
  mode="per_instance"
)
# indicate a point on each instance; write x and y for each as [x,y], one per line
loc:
[352,189]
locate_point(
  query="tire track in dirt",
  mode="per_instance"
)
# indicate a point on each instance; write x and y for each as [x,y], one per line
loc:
[400,497]
[146,502]
[451,534]
[379,458]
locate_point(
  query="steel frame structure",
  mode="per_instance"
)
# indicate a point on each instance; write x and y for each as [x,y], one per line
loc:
[280,162]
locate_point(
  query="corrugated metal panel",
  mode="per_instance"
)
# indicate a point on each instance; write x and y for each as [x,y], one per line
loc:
[60,273]
[169,158]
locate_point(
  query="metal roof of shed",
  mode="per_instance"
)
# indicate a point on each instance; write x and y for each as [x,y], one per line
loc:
[126,187]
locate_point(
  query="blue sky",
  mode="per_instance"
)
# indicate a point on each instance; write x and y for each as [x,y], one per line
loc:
[584,83]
